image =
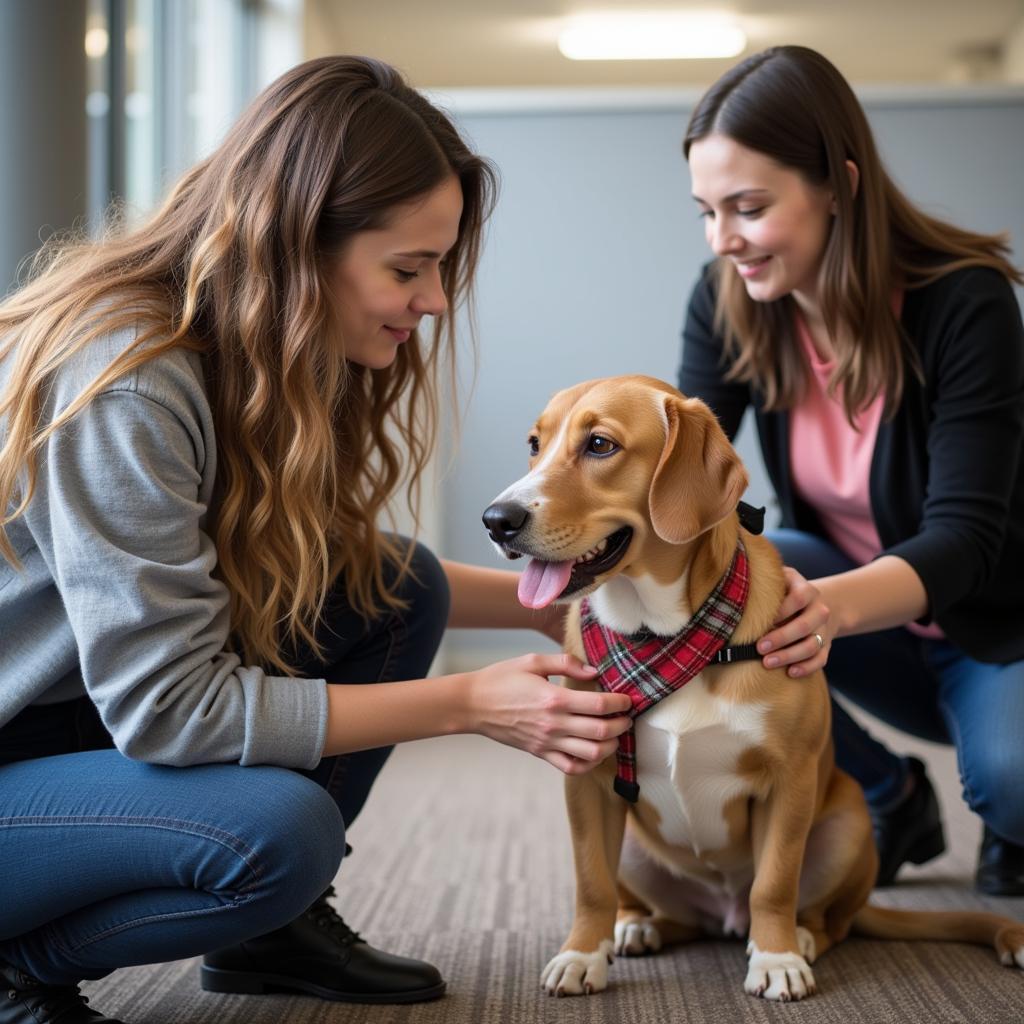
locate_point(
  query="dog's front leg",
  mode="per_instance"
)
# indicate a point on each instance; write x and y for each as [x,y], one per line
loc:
[778,967]
[597,818]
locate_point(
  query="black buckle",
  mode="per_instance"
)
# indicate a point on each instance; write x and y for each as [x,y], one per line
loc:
[751,519]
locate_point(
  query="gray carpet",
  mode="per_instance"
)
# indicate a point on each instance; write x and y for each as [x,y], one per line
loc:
[462,857]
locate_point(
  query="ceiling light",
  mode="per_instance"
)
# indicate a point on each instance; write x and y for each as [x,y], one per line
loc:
[650,36]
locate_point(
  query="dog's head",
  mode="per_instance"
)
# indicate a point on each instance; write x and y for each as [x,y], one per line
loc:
[614,465]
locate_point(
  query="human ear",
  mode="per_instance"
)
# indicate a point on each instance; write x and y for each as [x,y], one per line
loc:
[853,172]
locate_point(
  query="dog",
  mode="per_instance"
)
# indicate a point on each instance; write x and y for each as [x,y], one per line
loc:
[742,825]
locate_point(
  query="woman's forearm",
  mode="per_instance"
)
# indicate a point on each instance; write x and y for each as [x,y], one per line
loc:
[487,599]
[512,702]
[371,715]
[883,594]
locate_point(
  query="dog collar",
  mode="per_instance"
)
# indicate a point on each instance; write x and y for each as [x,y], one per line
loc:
[649,668]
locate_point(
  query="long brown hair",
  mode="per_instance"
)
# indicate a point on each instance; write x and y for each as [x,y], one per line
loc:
[236,264]
[793,105]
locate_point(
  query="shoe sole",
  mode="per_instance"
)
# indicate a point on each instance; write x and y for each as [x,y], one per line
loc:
[215,979]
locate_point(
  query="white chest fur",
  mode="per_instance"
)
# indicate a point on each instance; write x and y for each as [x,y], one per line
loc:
[626,605]
[689,745]
[688,751]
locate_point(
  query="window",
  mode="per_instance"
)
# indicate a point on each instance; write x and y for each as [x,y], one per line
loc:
[166,80]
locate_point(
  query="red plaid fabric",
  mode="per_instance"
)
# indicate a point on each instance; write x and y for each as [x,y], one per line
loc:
[649,667]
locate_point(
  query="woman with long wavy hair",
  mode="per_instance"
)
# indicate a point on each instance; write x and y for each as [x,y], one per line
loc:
[209,642]
[882,352]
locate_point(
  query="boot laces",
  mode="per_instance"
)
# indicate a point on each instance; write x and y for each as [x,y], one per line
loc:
[326,917]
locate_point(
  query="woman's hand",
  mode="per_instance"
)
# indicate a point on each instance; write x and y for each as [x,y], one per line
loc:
[513,702]
[804,629]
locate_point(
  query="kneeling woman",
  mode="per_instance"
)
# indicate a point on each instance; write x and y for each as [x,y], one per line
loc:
[208,644]
[883,354]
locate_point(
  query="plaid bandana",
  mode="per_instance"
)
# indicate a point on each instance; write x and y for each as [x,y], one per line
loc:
[650,667]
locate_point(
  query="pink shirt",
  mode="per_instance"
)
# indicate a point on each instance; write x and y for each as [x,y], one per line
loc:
[830,462]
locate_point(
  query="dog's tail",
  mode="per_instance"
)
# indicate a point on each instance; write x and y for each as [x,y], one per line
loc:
[1005,935]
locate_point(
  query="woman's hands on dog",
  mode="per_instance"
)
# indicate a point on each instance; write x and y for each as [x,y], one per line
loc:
[575,730]
[803,618]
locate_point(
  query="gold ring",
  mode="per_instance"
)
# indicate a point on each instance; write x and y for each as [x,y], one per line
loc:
[820,639]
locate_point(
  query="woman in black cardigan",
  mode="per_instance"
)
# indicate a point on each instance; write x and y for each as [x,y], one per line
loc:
[883,353]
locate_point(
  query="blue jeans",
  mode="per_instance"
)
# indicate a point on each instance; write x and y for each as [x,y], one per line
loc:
[930,689]
[107,862]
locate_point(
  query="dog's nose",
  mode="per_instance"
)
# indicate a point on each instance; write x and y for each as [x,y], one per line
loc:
[504,519]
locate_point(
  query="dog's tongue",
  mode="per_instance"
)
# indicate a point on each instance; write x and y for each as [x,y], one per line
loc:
[541,582]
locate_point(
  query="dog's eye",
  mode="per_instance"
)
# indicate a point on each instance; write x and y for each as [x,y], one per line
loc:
[534,443]
[598,445]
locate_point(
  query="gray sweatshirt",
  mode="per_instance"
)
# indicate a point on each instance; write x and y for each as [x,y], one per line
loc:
[117,597]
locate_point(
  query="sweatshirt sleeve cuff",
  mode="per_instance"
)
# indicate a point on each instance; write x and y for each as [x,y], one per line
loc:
[285,720]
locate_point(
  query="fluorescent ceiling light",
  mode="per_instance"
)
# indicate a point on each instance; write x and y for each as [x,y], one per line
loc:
[650,36]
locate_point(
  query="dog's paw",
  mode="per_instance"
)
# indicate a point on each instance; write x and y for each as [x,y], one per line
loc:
[785,977]
[636,937]
[1010,946]
[806,944]
[573,973]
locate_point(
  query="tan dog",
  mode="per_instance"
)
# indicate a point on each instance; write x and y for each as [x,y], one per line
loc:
[744,824]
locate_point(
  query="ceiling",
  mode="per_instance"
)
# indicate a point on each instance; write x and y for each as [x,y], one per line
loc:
[505,43]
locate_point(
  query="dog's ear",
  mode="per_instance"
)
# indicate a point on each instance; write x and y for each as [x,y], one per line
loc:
[700,478]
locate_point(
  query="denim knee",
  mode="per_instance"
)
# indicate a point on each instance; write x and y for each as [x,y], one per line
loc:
[300,841]
[992,790]
[426,590]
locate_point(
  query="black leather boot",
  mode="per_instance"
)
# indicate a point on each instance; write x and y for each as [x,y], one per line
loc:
[1000,866]
[26,1000]
[319,954]
[910,831]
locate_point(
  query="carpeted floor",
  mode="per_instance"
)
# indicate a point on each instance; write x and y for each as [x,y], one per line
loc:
[462,857]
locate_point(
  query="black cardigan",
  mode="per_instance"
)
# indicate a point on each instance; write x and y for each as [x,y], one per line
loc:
[947,475]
